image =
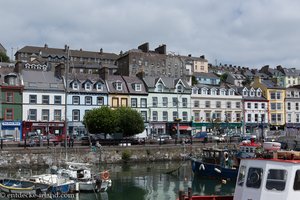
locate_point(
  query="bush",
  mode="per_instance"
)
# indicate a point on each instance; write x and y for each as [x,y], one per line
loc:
[126,155]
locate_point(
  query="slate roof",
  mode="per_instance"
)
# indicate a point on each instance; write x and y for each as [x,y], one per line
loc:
[41,80]
[111,80]
[205,75]
[83,78]
[170,83]
[130,81]
[270,84]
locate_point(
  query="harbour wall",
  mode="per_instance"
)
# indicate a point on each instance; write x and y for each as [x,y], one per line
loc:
[42,156]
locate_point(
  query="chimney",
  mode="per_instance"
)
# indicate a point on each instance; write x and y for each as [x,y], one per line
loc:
[46,46]
[59,70]
[162,49]
[80,49]
[144,47]
[121,53]
[103,73]
[190,55]
[101,51]
[141,74]
[202,57]
[66,48]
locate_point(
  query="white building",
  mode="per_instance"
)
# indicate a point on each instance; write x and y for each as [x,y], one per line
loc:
[255,108]
[292,104]
[216,109]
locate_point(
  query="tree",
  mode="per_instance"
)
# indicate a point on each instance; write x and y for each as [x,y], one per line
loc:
[130,121]
[223,77]
[3,57]
[194,80]
[101,120]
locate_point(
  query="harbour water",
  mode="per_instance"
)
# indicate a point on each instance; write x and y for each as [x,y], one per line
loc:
[151,181]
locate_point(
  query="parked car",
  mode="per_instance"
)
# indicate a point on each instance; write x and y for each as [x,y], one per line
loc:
[8,138]
[163,138]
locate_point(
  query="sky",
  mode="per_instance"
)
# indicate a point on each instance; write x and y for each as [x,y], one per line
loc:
[250,33]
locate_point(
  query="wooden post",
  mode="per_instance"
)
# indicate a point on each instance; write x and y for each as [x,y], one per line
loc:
[190,193]
[181,195]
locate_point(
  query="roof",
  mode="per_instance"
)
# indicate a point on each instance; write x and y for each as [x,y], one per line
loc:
[111,80]
[205,75]
[270,84]
[41,80]
[131,81]
[83,78]
[169,82]
[46,51]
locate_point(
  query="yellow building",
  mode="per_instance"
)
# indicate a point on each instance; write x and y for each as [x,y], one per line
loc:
[275,95]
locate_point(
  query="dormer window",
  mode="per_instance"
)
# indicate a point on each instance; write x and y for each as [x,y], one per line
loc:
[195,90]
[245,93]
[252,93]
[118,86]
[258,93]
[231,92]
[138,87]
[179,88]
[204,91]
[75,86]
[213,91]
[222,92]
[160,88]
[88,86]
[99,87]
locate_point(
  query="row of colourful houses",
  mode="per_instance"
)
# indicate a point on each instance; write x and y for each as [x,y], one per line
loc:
[54,100]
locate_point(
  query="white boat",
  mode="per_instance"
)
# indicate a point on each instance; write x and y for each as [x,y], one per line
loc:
[58,184]
[81,174]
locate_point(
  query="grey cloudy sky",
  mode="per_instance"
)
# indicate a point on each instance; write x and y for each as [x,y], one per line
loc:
[249,33]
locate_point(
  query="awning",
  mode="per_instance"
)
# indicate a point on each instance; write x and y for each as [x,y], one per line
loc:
[183,128]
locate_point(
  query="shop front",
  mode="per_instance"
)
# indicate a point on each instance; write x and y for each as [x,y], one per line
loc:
[13,128]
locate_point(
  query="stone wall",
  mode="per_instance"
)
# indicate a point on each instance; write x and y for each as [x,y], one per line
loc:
[35,157]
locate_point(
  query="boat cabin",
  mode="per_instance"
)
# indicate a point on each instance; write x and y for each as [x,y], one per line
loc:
[277,178]
[217,156]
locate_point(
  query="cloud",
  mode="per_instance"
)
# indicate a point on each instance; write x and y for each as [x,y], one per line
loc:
[247,33]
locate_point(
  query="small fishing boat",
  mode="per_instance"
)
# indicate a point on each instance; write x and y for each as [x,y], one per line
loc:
[248,148]
[58,184]
[82,175]
[215,163]
[22,188]
[275,175]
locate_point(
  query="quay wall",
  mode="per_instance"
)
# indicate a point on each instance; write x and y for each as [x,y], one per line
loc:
[42,156]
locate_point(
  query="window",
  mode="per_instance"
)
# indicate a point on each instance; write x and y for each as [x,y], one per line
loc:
[184,102]
[165,101]
[144,116]
[263,118]
[207,104]
[197,116]
[9,97]
[179,88]
[297,180]
[165,116]
[100,101]
[175,115]
[228,117]
[222,92]
[207,116]
[76,115]
[288,106]
[45,115]
[238,104]
[251,93]
[154,116]
[297,117]
[32,99]
[278,106]
[174,100]
[241,176]
[88,100]
[254,177]
[279,118]
[273,106]
[88,86]
[258,93]
[57,99]
[273,95]
[134,102]
[289,117]
[143,103]
[255,105]
[9,114]
[160,88]
[32,114]
[99,87]
[256,117]
[231,92]
[238,117]
[228,104]
[203,91]
[263,105]
[118,86]
[278,95]
[76,100]
[75,86]
[45,99]
[249,117]
[297,106]
[137,87]
[273,118]
[184,116]
[218,104]
[57,115]
[245,93]
[196,104]
[154,102]
[249,105]
[276,179]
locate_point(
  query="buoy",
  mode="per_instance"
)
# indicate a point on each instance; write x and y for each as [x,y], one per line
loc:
[105,175]
[224,181]
[201,167]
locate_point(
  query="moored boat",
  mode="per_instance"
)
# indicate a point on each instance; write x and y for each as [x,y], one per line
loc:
[275,175]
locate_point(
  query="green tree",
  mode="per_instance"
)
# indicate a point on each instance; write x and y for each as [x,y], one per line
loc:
[130,121]
[3,57]
[223,77]
[101,120]
[194,80]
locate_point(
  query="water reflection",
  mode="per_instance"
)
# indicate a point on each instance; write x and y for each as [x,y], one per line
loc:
[150,181]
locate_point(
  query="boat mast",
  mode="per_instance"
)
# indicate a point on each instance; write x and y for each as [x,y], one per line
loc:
[66,102]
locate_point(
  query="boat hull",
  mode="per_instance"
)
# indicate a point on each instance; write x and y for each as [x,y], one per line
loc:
[212,170]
